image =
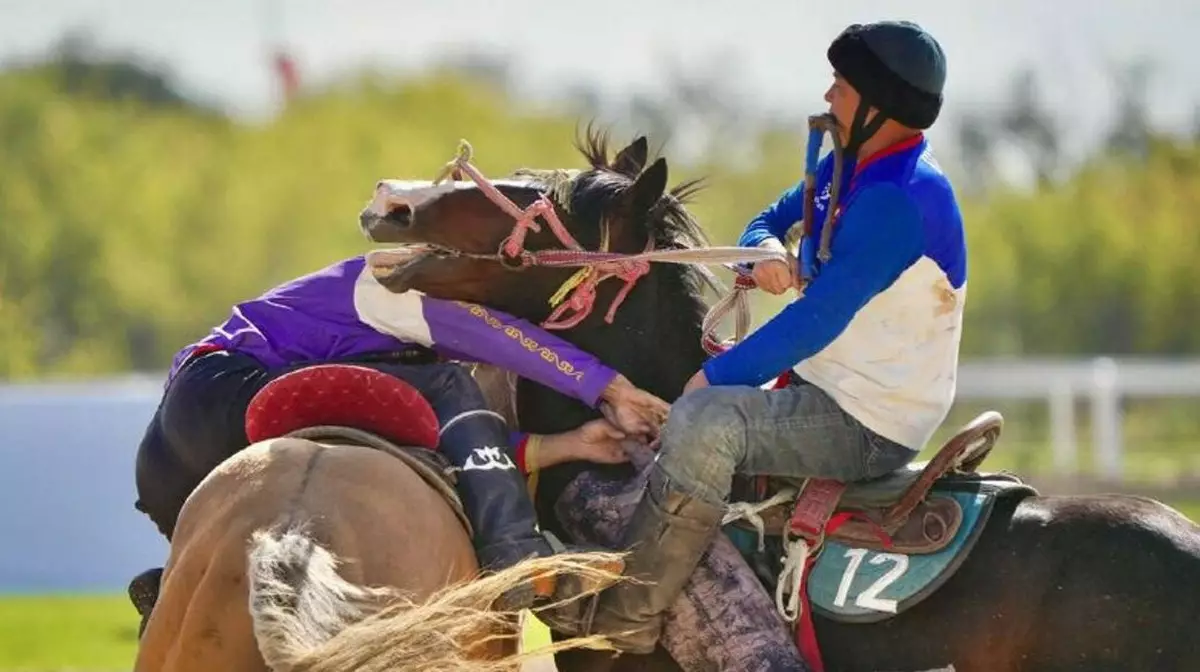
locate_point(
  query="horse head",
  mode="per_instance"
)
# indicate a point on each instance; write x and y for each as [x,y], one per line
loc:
[529,244]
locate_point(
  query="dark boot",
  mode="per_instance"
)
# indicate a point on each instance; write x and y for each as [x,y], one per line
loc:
[143,592]
[668,534]
[497,503]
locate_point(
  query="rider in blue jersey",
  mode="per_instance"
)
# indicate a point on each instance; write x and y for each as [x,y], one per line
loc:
[873,342]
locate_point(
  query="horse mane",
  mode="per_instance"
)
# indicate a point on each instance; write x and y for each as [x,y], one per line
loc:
[587,195]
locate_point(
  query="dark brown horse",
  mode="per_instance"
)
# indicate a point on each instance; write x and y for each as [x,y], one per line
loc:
[1053,583]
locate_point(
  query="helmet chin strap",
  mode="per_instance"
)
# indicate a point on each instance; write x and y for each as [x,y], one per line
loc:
[860,130]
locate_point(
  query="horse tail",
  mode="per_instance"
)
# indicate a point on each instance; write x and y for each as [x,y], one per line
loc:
[308,619]
[298,601]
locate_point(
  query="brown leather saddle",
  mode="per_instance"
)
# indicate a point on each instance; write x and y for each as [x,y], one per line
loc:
[900,505]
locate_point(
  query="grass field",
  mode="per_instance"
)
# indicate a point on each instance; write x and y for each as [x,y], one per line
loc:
[98,633]
[93,633]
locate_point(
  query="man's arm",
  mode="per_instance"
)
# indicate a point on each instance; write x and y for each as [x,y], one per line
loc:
[485,335]
[879,235]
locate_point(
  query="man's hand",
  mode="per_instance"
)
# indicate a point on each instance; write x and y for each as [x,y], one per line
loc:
[774,276]
[631,409]
[597,441]
[594,441]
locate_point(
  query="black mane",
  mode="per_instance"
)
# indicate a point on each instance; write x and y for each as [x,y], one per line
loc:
[669,220]
[590,194]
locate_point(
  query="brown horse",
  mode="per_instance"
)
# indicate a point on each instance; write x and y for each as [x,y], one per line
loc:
[1063,583]
[333,549]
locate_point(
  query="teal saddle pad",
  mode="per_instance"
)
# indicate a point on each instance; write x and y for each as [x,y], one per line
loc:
[856,585]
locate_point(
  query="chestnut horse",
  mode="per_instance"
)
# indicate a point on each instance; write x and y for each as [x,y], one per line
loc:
[1062,583]
[332,549]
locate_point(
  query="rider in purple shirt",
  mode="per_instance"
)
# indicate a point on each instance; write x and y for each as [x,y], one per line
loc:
[341,313]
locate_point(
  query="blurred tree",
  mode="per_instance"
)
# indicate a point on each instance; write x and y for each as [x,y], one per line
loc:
[976,137]
[78,67]
[1027,123]
[129,226]
[1131,131]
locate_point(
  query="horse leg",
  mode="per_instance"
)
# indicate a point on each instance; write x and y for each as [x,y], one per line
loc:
[723,620]
[204,578]
[202,622]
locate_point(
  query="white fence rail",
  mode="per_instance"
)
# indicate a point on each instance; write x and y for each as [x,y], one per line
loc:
[1103,382]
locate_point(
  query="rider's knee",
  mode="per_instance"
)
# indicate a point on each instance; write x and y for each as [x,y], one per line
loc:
[703,425]
[455,381]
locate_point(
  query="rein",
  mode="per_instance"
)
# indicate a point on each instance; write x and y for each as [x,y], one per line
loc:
[818,125]
[576,297]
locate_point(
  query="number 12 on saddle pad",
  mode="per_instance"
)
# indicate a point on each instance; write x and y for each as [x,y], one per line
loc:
[857,585]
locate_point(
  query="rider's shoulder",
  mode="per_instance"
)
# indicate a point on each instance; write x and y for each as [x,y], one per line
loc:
[928,178]
[920,180]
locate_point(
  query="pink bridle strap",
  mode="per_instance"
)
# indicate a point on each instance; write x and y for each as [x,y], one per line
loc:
[514,245]
[582,299]
[602,265]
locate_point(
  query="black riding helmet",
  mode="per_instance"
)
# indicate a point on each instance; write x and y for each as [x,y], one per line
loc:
[897,68]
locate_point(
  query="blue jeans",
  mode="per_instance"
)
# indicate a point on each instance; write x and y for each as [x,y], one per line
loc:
[800,431]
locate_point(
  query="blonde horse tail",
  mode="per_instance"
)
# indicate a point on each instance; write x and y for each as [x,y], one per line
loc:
[298,601]
[308,619]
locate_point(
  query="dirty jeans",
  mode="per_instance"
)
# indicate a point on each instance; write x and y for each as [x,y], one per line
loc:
[797,432]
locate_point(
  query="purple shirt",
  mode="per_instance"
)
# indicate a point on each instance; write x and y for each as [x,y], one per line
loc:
[341,311]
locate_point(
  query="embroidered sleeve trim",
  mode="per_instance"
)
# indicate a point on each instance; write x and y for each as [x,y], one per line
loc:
[548,355]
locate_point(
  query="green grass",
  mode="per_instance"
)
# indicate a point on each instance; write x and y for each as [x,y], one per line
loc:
[41,633]
[93,633]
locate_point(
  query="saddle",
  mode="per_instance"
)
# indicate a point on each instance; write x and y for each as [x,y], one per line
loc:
[895,512]
[360,406]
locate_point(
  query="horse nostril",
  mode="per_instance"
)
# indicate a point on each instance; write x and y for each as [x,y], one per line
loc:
[400,215]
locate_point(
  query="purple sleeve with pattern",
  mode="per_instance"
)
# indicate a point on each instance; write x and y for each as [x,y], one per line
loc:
[474,332]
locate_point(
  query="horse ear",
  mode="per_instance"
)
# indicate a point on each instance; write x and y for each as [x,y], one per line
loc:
[632,159]
[648,187]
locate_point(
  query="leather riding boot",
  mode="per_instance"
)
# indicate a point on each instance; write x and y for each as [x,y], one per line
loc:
[668,534]
[143,592]
[497,503]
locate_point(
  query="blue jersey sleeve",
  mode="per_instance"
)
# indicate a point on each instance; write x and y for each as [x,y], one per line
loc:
[879,235]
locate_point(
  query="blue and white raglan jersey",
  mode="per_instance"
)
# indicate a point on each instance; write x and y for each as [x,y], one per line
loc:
[879,326]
